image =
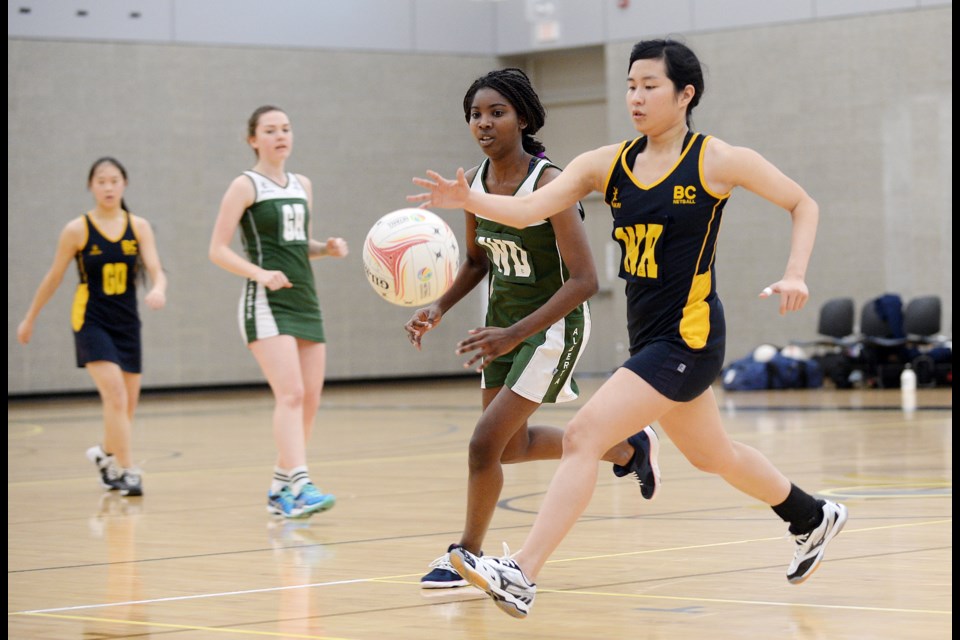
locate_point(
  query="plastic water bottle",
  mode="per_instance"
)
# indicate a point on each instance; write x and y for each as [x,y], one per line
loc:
[908,388]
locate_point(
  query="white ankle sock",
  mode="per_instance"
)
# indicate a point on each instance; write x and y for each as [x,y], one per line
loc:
[299,478]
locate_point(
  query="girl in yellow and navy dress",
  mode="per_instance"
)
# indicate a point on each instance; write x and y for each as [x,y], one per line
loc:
[666,190]
[279,313]
[540,277]
[110,247]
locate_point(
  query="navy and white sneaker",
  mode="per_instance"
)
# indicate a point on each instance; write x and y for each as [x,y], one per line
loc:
[442,574]
[114,477]
[811,545]
[646,449]
[130,483]
[500,578]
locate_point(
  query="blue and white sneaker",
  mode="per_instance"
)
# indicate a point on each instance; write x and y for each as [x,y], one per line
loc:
[811,545]
[283,504]
[500,578]
[443,575]
[644,465]
[311,500]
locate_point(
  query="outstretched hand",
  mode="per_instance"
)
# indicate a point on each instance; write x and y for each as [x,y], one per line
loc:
[443,193]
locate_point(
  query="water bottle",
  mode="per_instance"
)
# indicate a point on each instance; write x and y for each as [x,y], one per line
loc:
[908,388]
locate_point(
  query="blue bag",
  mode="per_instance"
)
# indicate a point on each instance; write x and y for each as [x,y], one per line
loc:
[745,374]
[780,372]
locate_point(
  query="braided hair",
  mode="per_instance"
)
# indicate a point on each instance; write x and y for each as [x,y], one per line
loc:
[514,85]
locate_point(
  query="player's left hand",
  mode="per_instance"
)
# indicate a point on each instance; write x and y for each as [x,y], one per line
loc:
[488,343]
[793,294]
[337,247]
[155,299]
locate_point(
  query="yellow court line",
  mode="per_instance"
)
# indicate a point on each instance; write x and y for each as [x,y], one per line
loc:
[27,431]
[846,532]
[744,602]
[398,579]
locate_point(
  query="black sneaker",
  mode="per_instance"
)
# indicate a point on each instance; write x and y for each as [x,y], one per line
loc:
[646,448]
[112,475]
[130,483]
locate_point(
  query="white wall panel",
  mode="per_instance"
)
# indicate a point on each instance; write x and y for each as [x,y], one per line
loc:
[372,25]
[643,18]
[455,26]
[709,15]
[834,8]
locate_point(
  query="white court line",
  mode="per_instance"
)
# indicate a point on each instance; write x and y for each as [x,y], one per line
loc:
[204,595]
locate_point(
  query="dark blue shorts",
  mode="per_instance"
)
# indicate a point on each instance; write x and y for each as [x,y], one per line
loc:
[679,373]
[121,346]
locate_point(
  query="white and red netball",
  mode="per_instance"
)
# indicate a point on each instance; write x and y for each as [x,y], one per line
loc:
[411,257]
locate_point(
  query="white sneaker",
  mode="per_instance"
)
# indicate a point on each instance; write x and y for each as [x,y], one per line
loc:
[500,578]
[811,545]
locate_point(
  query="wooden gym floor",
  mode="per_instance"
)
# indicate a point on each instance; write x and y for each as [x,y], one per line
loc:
[198,557]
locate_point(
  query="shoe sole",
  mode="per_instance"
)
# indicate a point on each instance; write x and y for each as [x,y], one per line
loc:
[479,581]
[654,453]
[320,507]
[304,513]
[837,528]
[444,585]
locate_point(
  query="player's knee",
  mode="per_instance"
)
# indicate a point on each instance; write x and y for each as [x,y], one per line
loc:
[579,438]
[291,398]
[483,452]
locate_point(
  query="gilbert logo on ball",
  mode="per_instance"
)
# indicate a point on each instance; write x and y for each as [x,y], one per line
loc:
[410,257]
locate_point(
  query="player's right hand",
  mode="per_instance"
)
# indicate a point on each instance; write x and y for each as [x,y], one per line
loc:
[443,193]
[274,280]
[422,321]
[24,332]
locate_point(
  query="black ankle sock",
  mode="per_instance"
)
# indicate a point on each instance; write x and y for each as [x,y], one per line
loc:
[801,510]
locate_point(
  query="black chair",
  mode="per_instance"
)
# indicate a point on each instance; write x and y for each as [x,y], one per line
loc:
[921,320]
[890,340]
[930,358]
[835,324]
[877,329]
[882,341]
[832,349]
